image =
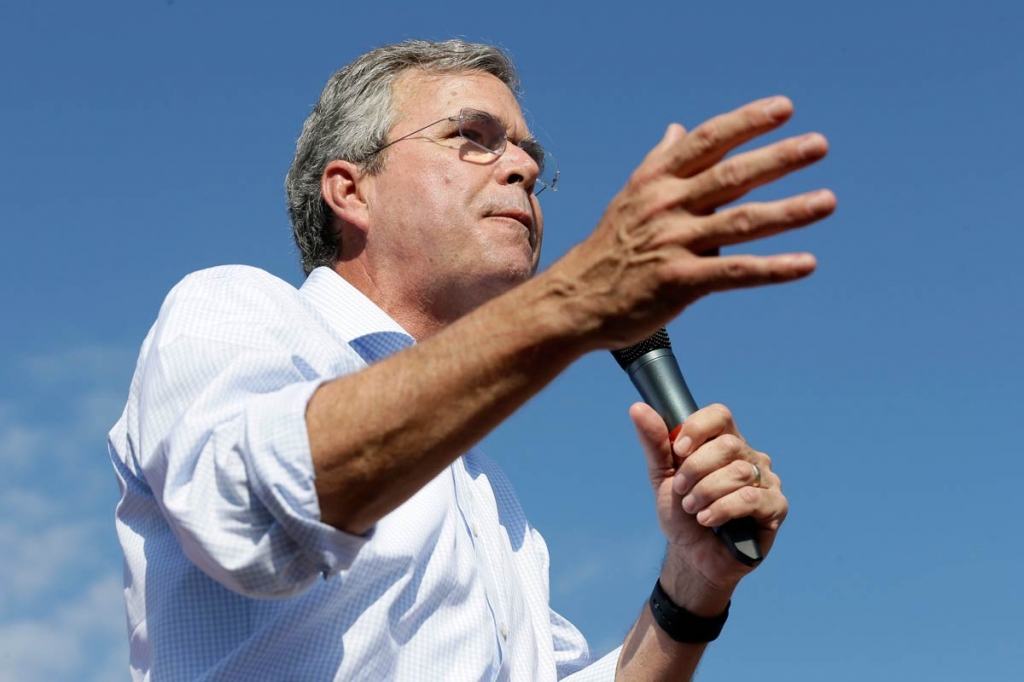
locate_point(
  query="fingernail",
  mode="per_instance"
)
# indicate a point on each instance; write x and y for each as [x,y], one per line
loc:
[688,504]
[819,202]
[680,485]
[672,133]
[777,108]
[801,261]
[703,516]
[683,445]
[811,147]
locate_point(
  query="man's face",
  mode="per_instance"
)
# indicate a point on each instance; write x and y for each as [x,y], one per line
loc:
[452,233]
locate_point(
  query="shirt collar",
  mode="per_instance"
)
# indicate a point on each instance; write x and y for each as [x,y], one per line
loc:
[346,309]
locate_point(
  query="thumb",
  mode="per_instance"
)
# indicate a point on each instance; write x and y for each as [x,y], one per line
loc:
[661,157]
[653,436]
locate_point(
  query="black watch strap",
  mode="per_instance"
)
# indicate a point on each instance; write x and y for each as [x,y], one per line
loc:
[680,624]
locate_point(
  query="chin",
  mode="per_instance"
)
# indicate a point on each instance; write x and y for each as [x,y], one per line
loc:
[518,272]
[479,289]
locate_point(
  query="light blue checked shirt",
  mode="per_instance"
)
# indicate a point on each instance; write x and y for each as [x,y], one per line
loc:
[229,573]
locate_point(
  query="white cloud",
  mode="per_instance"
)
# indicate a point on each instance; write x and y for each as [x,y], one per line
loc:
[78,425]
[27,505]
[57,498]
[35,558]
[20,444]
[611,557]
[82,640]
[93,364]
[96,411]
[579,575]
[67,404]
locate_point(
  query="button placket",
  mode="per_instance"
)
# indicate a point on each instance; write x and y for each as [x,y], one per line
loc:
[465,499]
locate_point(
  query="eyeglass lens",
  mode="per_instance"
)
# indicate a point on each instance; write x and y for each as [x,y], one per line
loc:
[485,132]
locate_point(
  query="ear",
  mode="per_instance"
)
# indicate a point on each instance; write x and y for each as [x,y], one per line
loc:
[342,188]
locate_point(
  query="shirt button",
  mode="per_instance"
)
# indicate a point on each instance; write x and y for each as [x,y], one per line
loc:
[504,632]
[472,527]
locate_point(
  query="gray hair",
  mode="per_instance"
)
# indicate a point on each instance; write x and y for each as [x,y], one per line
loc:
[352,119]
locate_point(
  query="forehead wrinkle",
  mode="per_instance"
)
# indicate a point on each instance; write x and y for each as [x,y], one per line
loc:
[407,91]
[413,78]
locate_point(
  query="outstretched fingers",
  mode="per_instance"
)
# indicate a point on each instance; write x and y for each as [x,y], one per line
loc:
[704,275]
[733,178]
[752,221]
[685,154]
[659,240]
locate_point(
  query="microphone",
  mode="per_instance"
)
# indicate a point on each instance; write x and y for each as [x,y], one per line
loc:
[653,369]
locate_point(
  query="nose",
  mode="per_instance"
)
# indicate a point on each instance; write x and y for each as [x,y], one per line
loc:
[518,167]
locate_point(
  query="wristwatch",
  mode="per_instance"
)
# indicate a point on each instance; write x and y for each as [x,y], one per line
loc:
[680,624]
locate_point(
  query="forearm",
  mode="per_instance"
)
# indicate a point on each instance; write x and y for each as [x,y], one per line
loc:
[649,653]
[379,435]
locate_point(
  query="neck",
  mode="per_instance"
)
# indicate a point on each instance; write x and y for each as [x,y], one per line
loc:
[416,312]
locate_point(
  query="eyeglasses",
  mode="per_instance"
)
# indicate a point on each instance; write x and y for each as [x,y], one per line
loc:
[484,139]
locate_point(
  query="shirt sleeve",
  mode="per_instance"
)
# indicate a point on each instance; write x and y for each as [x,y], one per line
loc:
[601,670]
[573,658]
[222,388]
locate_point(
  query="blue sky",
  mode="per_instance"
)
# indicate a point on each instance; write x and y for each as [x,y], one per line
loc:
[143,140]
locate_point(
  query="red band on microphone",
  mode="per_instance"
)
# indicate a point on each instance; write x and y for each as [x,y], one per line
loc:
[674,433]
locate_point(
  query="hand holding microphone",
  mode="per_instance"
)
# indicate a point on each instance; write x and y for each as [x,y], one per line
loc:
[655,373]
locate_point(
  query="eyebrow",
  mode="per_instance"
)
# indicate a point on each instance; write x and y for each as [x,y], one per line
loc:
[528,143]
[531,146]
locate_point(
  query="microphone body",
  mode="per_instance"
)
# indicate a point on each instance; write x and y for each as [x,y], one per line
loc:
[654,371]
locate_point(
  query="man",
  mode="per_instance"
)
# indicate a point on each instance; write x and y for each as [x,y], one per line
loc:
[299,504]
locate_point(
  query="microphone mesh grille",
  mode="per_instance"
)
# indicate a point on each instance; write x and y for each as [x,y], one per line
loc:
[656,341]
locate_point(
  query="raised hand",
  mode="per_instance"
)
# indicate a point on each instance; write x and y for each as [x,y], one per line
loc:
[656,249]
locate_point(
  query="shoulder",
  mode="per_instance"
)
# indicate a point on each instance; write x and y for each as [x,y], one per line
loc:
[233,276]
[227,299]
[243,282]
